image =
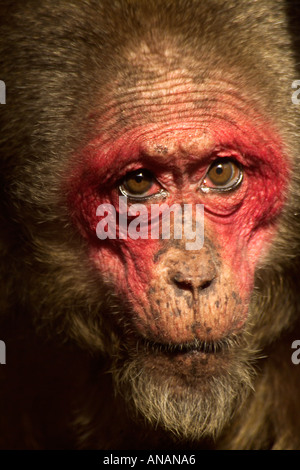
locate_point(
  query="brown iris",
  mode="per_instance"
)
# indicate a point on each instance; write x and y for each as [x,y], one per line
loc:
[138,183]
[223,174]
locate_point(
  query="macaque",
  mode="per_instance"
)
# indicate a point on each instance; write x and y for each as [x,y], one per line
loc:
[121,332]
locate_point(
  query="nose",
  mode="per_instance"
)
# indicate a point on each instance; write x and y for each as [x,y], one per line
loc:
[194,273]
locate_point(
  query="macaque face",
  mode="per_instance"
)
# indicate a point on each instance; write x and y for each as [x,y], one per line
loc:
[180,142]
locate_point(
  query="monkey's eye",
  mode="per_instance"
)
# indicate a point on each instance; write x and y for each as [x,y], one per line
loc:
[140,184]
[224,174]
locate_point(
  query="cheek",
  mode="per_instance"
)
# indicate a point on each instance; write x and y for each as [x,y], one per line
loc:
[242,251]
[127,265]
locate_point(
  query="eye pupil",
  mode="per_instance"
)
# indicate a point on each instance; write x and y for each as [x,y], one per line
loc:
[219,170]
[139,178]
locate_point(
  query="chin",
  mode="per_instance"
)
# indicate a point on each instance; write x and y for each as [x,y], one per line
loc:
[192,390]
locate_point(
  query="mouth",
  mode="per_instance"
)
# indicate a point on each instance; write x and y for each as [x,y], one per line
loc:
[189,361]
[192,347]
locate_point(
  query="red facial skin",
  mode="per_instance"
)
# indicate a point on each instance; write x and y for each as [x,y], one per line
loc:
[178,149]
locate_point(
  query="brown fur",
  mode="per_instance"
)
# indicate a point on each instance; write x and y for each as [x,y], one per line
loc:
[71,379]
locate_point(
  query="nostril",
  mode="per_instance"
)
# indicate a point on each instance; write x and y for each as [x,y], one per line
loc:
[191,283]
[183,284]
[205,284]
